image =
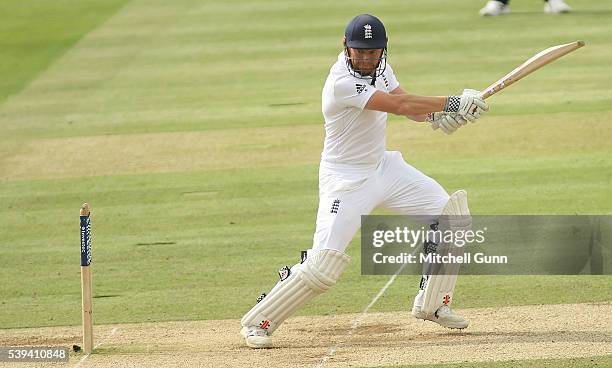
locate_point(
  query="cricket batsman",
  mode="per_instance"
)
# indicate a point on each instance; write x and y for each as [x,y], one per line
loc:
[357,175]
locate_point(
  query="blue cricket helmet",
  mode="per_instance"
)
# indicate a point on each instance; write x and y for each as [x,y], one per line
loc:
[365,31]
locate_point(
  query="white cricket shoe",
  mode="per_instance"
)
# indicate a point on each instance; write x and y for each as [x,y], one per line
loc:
[494,8]
[444,316]
[556,7]
[255,337]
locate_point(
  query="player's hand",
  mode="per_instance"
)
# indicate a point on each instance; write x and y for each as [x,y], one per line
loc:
[474,106]
[469,105]
[448,122]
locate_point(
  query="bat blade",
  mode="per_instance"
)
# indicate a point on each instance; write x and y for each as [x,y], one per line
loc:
[531,65]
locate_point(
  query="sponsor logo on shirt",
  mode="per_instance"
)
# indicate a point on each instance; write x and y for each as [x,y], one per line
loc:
[360,87]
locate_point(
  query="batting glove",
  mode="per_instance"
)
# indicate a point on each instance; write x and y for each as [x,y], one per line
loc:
[448,122]
[469,105]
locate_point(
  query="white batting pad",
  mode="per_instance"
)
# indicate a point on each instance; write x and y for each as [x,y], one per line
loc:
[440,286]
[316,275]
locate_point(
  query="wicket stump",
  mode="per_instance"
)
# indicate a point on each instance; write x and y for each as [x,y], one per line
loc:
[86,289]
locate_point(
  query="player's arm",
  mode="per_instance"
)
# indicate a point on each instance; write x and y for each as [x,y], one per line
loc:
[447,121]
[405,104]
[469,105]
[418,118]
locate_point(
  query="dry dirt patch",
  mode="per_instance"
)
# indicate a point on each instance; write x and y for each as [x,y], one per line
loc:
[380,339]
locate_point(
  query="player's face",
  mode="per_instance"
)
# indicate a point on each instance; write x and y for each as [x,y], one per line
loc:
[365,61]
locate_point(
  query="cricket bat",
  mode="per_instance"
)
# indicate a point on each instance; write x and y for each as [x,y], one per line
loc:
[531,65]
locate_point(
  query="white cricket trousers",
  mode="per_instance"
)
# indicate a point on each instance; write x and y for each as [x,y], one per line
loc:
[347,192]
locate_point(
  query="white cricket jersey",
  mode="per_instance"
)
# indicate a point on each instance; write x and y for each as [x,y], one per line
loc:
[353,136]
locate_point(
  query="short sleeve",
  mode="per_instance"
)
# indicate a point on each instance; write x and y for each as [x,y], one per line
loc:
[393,82]
[349,91]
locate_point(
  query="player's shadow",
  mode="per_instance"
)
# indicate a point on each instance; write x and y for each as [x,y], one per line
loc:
[456,338]
[504,337]
[386,336]
[573,13]
[591,12]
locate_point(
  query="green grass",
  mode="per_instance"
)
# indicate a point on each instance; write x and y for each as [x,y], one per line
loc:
[590,362]
[34,33]
[166,118]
